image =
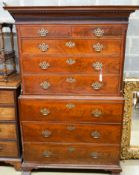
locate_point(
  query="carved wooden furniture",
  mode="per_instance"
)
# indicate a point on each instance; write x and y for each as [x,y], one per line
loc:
[71,108]
[9,124]
[7,57]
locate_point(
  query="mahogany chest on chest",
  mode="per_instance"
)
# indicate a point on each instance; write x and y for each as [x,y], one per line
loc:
[71,107]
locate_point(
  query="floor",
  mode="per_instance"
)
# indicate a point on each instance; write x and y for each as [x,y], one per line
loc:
[130,167]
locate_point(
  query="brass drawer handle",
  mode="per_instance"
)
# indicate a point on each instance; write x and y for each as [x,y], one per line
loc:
[98,32]
[71,128]
[97,113]
[71,149]
[43,32]
[70,105]
[97,66]
[44,111]
[70,61]
[44,65]
[43,47]
[70,80]
[94,155]
[46,133]
[70,44]
[97,85]
[95,134]
[98,47]
[47,154]
[45,85]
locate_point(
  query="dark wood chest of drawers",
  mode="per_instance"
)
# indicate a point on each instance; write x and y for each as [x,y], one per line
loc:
[71,109]
[10,150]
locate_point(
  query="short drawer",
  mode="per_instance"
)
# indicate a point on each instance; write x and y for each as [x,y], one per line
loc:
[71,64]
[98,31]
[7,113]
[71,84]
[45,31]
[7,131]
[83,133]
[6,97]
[97,47]
[68,110]
[8,149]
[70,153]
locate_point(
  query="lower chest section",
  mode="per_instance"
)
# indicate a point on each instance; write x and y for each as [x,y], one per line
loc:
[71,130]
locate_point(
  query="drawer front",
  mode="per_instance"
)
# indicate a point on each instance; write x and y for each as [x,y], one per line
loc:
[7,131]
[70,84]
[7,113]
[6,97]
[52,31]
[8,149]
[98,31]
[56,132]
[45,31]
[69,46]
[70,110]
[70,153]
[43,64]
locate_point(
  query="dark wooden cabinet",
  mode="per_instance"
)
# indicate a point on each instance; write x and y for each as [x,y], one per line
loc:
[71,106]
[10,148]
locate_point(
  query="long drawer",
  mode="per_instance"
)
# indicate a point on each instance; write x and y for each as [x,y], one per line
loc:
[58,31]
[53,64]
[69,110]
[70,153]
[8,131]
[8,149]
[61,132]
[70,84]
[97,47]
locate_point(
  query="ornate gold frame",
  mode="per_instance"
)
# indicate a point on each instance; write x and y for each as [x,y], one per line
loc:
[128,151]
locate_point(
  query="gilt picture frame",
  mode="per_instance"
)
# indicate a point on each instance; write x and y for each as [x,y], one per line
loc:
[129,151]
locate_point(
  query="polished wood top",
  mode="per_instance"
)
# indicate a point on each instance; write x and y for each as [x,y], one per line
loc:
[94,8]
